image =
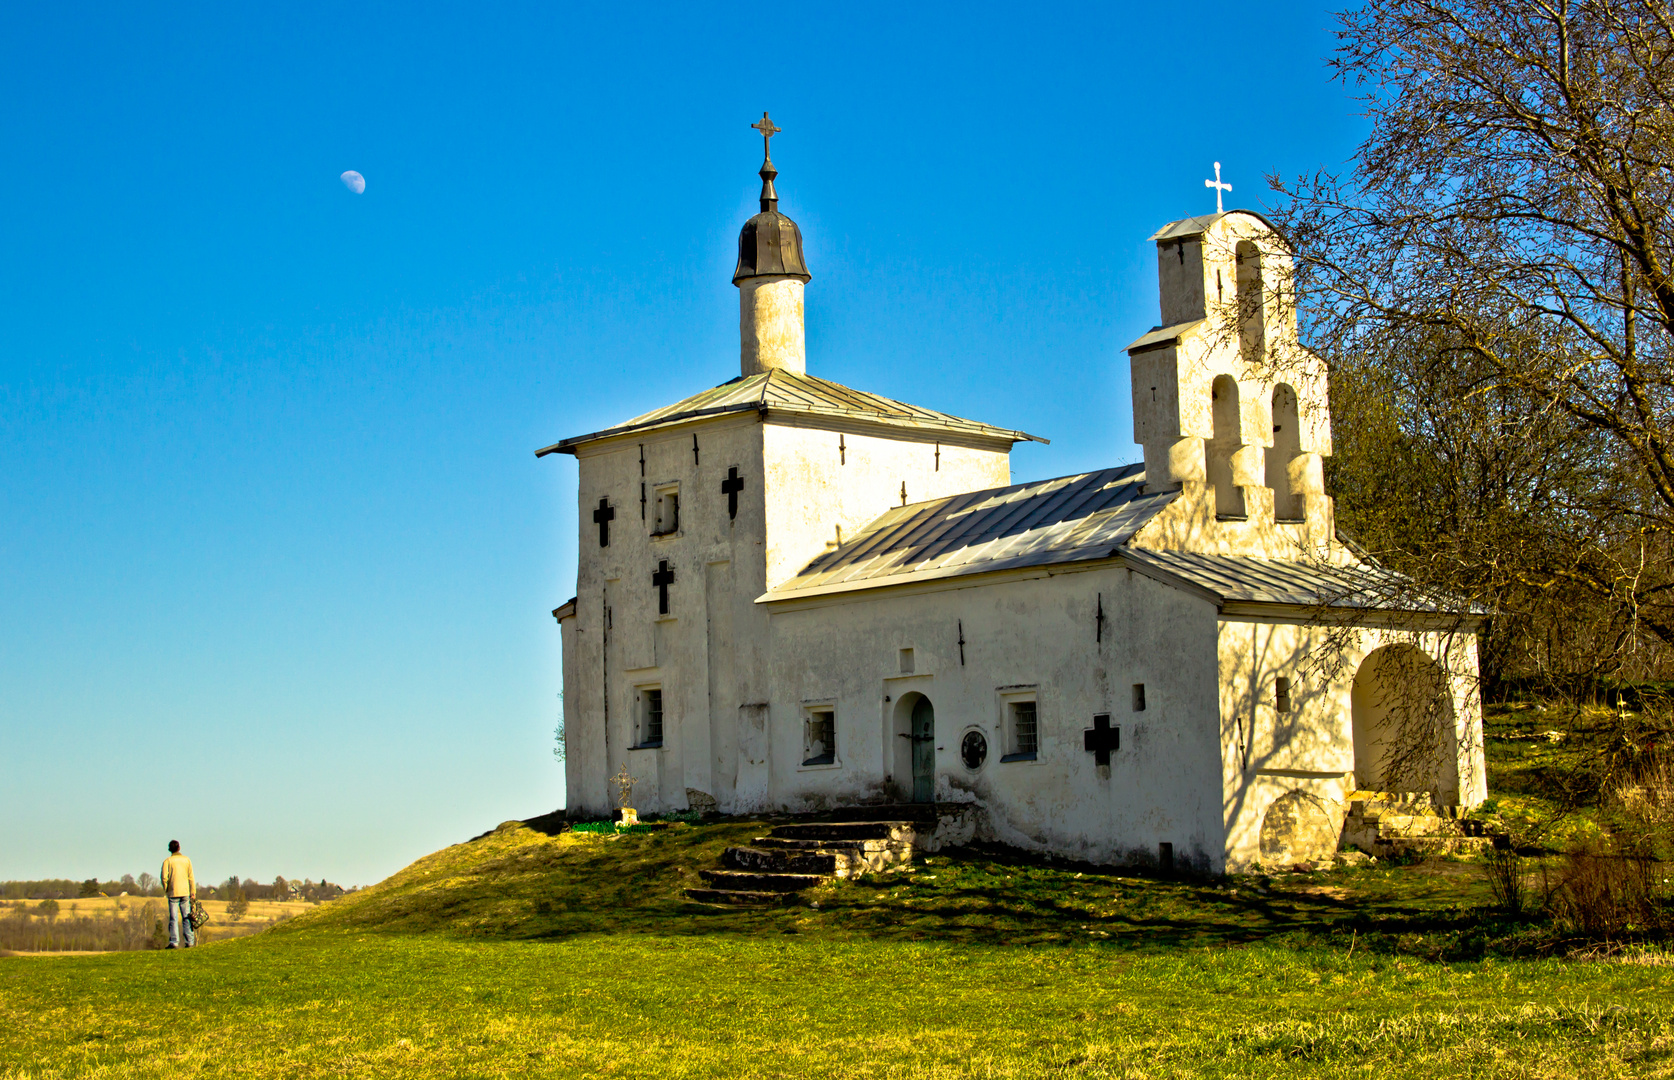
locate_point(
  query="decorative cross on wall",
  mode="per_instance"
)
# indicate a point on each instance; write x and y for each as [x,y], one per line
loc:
[730,487]
[1101,739]
[1219,188]
[603,516]
[662,579]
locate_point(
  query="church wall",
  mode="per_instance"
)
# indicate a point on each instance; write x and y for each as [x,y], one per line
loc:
[1036,635]
[1268,754]
[623,641]
[820,479]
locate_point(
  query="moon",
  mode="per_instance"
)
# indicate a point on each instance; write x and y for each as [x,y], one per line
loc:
[354,182]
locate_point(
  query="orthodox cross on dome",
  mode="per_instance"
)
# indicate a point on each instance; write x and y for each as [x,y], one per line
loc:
[1219,188]
[1101,739]
[765,126]
[730,487]
[769,197]
[662,579]
[603,516]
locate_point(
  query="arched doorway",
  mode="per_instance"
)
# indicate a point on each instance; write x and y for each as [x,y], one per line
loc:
[1404,738]
[915,751]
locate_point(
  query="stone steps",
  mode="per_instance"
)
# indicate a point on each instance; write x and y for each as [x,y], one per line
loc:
[775,869]
[1389,824]
[745,881]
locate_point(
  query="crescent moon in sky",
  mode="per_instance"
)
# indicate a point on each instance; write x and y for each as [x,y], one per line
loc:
[354,182]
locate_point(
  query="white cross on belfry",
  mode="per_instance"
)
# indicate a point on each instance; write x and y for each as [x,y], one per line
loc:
[1219,187]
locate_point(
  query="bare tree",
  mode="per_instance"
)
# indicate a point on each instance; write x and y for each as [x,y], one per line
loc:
[1496,275]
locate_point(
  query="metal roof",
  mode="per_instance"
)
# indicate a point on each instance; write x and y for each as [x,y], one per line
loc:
[1068,519]
[1186,228]
[1231,579]
[1158,336]
[784,391]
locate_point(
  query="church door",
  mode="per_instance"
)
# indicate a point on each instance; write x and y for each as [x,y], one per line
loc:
[924,751]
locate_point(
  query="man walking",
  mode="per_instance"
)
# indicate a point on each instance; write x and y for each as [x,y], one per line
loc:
[180,887]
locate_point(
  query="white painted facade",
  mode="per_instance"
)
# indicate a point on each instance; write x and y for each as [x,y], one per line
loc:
[751,658]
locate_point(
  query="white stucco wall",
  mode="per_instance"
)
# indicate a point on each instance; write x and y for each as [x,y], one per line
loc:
[709,654]
[1021,633]
[1311,748]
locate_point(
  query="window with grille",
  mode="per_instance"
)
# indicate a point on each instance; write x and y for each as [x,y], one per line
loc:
[651,717]
[1023,734]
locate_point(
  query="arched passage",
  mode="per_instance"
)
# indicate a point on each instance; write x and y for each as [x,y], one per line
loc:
[1404,738]
[915,747]
[1252,307]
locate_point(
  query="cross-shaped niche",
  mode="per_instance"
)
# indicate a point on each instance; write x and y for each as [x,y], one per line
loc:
[662,579]
[730,487]
[1101,739]
[602,517]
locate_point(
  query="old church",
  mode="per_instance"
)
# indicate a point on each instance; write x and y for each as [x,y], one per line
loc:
[796,595]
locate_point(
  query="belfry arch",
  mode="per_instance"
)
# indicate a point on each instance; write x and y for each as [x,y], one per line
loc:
[1288,503]
[1228,437]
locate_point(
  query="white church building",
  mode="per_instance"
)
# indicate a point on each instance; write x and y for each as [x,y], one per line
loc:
[794,596]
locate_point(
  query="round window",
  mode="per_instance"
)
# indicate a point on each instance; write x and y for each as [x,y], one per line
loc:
[973,751]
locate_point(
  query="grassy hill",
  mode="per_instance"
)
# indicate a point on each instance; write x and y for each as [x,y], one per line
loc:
[535,952]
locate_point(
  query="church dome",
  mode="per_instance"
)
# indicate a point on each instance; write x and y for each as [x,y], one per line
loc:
[770,244]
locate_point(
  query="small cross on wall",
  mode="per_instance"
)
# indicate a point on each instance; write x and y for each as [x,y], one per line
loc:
[662,579]
[602,517]
[730,487]
[1101,739]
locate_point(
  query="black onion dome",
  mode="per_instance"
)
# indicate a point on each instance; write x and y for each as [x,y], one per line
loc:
[770,244]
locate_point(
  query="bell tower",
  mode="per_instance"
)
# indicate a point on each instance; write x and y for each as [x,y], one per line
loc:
[1226,402]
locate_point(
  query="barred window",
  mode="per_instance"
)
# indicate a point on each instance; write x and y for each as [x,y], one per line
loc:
[651,717]
[1024,736]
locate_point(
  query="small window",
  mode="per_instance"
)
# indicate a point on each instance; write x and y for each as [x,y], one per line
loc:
[1023,733]
[1138,697]
[668,510]
[819,737]
[1281,694]
[973,750]
[906,661]
[651,716]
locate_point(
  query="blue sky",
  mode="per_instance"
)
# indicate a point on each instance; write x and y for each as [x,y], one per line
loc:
[276,556]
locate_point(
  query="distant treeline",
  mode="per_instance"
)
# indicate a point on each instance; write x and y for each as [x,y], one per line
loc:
[146,885]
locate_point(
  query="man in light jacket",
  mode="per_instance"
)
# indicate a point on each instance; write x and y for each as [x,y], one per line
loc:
[180,887]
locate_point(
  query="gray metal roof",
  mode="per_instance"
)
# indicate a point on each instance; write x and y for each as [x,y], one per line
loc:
[1186,228]
[1068,519]
[1231,579]
[784,391]
[1158,336]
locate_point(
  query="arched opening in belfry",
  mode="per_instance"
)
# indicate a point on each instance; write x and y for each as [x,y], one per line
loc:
[1403,720]
[1288,504]
[1252,307]
[1228,437]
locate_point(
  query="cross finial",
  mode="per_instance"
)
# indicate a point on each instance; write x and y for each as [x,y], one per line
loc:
[1219,188]
[769,197]
[765,126]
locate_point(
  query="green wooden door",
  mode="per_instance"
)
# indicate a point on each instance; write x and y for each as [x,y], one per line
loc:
[924,751]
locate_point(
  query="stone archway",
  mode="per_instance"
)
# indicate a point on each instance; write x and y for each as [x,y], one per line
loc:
[1403,719]
[1298,827]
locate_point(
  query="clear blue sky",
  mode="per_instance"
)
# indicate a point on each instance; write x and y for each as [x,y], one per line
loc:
[276,557]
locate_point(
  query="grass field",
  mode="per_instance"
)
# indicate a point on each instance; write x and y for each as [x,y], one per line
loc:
[527,954]
[523,953]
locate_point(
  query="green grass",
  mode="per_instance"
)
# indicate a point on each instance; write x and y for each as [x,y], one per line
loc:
[523,953]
